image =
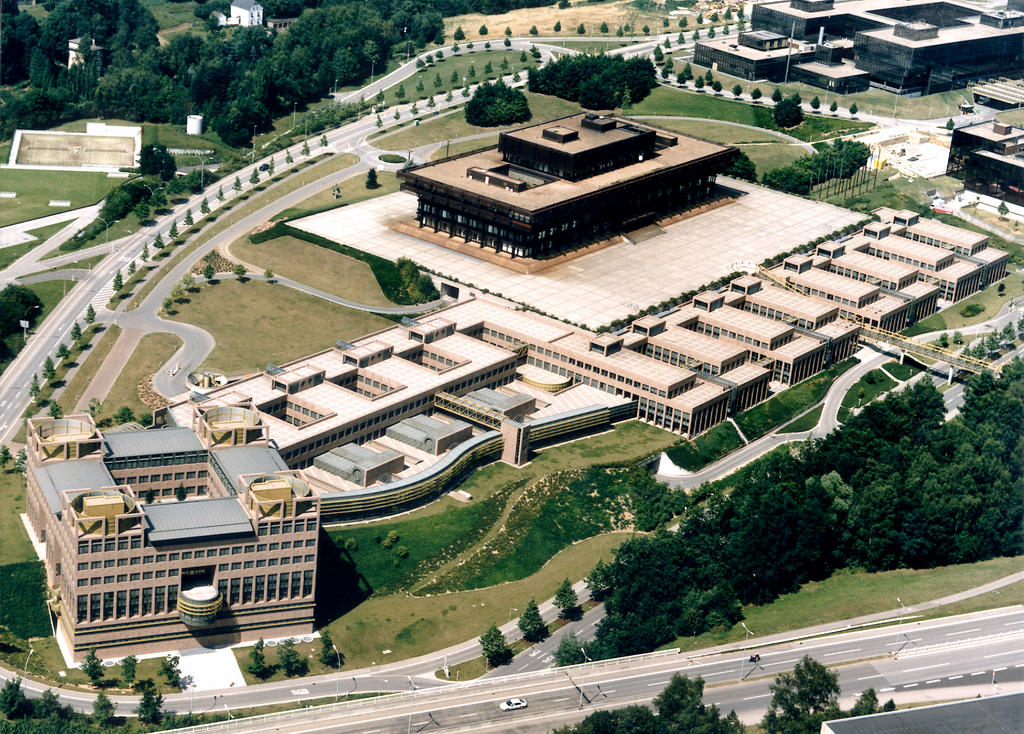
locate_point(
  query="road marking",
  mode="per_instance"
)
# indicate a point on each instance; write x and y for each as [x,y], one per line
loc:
[1009,652]
[885,690]
[751,698]
[842,652]
[910,685]
[610,690]
[927,667]
[890,644]
[783,662]
[562,699]
[466,716]
[1019,621]
[996,670]
[963,632]
[980,672]
[300,692]
[954,677]
[659,683]
[934,680]
[869,677]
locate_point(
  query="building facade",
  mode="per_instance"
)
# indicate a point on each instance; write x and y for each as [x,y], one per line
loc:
[987,157]
[555,186]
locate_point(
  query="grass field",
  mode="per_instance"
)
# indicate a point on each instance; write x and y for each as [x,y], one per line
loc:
[170,14]
[454,125]
[989,299]
[254,324]
[867,388]
[790,402]
[847,594]
[901,372]
[95,355]
[36,189]
[596,47]
[351,190]
[149,355]
[872,101]
[804,423]
[462,67]
[463,146]
[15,547]
[767,151]
[615,14]
[706,448]
[667,101]
[314,266]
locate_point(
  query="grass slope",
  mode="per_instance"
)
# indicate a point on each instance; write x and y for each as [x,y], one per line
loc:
[35,190]
[149,355]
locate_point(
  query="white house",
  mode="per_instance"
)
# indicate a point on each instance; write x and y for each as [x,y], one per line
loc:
[246,13]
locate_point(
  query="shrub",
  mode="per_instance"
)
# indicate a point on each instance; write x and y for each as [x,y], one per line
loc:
[497,104]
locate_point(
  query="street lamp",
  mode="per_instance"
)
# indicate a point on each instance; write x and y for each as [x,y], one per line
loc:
[746,637]
[509,619]
[106,230]
[412,696]
[31,650]
[583,680]
[229,717]
[337,684]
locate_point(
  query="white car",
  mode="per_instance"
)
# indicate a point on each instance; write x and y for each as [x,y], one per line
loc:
[513,704]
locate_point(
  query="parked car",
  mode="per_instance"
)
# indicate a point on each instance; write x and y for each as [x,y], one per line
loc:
[265,167]
[513,704]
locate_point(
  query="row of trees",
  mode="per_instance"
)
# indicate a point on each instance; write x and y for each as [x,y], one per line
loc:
[897,487]
[597,82]
[493,644]
[840,160]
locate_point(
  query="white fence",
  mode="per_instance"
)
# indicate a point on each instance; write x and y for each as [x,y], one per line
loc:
[377,703]
[956,644]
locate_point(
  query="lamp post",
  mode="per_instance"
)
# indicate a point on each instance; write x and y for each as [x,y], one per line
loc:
[31,650]
[337,684]
[583,680]
[412,696]
[106,230]
[746,637]
[509,619]
[229,717]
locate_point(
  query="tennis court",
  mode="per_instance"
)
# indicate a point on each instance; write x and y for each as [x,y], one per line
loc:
[75,149]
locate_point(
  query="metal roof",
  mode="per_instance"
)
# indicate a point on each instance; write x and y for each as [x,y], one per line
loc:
[989,715]
[81,474]
[150,443]
[180,522]
[239,460]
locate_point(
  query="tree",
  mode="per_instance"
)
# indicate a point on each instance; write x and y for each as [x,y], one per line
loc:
[124,415]
[173,231]
[118,281]
[737,91]
[992,342]
[682,22]
[1003,210]
[102,711]
[239,272]
[33,388]
[815,102]
[950,124]
[291,663]
[268,275]
[717,86]
[495,649]
[802,699]
[305,147]
[63,352]
[943,340]
[254,177]
[208,271]
[131,268]
[179,493]
[150,708]
[56,411]
[566,600]
[534,31]
[696,35]
[866,704]
[958,338]
[558,26]
[204,205]
[508,32]
[49,371]
[699,82]
[189,219]
[128,666]
[531,624]
[150,494]
[5,458]
[90,315]
[580,29]
[154,160]
[569,651]
[328,652]
[158,241]
[459,34]
[12,698]
[94,407]
[323,144]
[92,667]
[76,331]
[237,185]
[496,103]
[833,107]
[257,661]
[482,31]
[141,210]
[776,96]
[20,461]
[853,109]
[371,179]
[787,113]
[220,192]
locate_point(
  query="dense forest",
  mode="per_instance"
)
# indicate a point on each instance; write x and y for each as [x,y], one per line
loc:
[240,78]
[597,82]
[896,487]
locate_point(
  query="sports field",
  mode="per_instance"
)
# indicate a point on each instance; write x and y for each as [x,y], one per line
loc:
[35,190]
[71,149]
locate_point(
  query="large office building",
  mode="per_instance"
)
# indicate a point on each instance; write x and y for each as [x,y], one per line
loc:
[989,158]
[909,47]
[554,186]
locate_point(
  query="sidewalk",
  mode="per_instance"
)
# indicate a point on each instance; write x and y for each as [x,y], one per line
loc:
[111,368]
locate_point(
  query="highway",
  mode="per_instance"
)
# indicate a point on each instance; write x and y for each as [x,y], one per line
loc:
[938,659]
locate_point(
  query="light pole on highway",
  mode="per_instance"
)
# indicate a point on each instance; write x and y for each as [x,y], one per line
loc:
[412,696]
[25,671]
[583,680]
[747,635]
[337,684]
[106,230]
[229,717]
[513,609]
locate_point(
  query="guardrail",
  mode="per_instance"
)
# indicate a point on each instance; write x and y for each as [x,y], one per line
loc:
[956,644]
[315,713]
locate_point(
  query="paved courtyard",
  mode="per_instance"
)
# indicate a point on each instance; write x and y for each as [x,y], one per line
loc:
[612,283]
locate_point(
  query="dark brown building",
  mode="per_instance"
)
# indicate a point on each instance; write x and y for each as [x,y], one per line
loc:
[556,185]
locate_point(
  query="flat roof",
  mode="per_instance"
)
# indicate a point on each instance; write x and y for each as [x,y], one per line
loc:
[453,172]
[701,347]
[833,71]
[946,232]
[986,129]
[64,475]
[191,520]
[702,394]
[587,138]
[853,290]
[946,36]
[920,289]
[239,460]
[746,373]
[919,251]
[747,323]
[999,714]
[798,347]
[959,269]
[892,270]
[729,46]
[794,304]
[120,445]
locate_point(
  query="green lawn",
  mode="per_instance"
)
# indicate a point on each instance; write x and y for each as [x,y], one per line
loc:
[9,254]
[170,14]
[351,190]
[804,423]
[706,448]
[901,372]
[669,101]
[847,594]
[254,324]
[783,407]
[454,125]
[867,388]
[89,365]
[149,355]
[44,233]
[315,266]
[35,190]
[594,47]
[23,590]
[15,547]
[990,299]
[467,67]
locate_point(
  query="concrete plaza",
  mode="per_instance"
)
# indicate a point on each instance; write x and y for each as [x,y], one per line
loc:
[611,283]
